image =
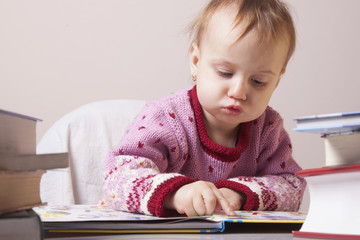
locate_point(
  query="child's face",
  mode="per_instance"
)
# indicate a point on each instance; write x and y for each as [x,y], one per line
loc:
[235,79]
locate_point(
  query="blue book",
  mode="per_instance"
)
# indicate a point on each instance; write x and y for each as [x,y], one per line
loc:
[336,123]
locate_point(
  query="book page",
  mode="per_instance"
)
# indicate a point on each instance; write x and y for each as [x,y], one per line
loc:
[80,213]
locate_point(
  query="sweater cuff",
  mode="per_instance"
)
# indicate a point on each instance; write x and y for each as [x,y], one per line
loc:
[157,199]
[252,199]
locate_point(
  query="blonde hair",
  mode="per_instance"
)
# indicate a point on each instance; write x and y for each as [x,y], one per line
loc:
[270,18]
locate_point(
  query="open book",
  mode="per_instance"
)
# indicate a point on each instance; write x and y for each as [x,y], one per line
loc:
[334,208]
[101,219]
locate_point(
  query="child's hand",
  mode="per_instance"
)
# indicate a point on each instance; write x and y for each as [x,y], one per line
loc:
[198,198]
[235,199]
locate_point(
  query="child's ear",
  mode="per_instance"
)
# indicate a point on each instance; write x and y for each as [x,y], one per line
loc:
[194,57]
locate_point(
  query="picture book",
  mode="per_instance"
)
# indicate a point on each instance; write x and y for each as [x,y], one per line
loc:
[329,123]
[102,219]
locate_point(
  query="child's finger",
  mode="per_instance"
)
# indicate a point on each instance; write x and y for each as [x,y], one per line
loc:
[190,211]
[225,205]
[209,200]
[199,205]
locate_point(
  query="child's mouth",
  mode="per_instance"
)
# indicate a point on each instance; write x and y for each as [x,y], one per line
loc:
[233,110]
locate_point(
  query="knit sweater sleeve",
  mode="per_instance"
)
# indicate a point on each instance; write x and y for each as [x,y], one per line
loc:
[274,187]
[135,171]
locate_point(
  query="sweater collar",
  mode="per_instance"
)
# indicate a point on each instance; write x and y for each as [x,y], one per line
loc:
[215,150]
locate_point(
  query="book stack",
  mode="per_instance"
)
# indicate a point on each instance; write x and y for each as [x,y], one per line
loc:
[334,211]
[20,174]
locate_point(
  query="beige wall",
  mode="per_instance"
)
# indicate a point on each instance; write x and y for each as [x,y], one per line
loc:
[58,55]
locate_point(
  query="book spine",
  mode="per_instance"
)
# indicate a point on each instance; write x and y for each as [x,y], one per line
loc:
[328,170]
[316,235]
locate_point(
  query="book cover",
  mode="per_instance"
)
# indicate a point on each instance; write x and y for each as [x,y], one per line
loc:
[97,218]
[21,225]
[19,190]
[334,209]
[342,149]
[18,145]
[329,123]
[17,133]
[33,162]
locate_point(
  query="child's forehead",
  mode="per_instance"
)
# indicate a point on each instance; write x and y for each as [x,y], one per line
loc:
[225,22]
[223,37]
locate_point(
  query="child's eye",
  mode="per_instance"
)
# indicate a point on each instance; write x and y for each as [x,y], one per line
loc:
[225,74]
[257,83]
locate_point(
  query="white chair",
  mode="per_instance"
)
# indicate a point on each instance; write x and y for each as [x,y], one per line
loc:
[88,134]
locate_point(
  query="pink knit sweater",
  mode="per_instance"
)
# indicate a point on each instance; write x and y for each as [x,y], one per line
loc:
[167,146]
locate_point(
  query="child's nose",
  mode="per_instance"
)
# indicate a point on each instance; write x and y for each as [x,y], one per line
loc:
[238,89]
